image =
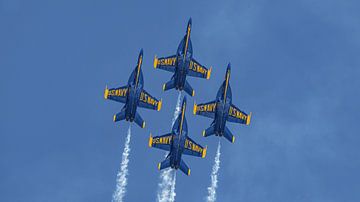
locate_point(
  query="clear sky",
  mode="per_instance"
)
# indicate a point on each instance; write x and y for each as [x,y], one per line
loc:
[295,65]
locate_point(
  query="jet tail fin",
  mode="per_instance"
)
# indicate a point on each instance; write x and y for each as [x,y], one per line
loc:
[228,135]
[188,89]
[139,121]
[169,85]
[184,168]
[164,164]
[209,131]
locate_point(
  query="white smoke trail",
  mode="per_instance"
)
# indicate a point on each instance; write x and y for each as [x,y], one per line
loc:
[214,177]
[166,186]
[172,190]
[177,110]
[121,178]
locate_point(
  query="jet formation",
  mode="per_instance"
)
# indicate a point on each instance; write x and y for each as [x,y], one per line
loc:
[177,142]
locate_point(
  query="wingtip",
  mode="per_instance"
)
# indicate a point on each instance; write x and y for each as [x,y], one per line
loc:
[233,139]
[204,152]
[189,171]
[193,93]
[164,87]
[159,166]
[195,108]
[248,119]
[143,124]
[209,73]
[159,105]
[155,62]
[203,133]
[106,93]
[150,140]
[114,118]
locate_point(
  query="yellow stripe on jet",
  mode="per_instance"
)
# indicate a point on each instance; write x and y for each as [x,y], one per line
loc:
[187,41]
[226,84]
[138,72]
[182,117]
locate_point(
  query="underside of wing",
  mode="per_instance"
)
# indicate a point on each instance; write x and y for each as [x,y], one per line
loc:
[116,94]
[148,101]
[161,142]
[194,149]
[238,116]
[165,63]
[198,70]
[206,109]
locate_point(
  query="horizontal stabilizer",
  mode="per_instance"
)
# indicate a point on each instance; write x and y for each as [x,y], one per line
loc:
[119,116]
[209,131]
[139,121]
[188,89]
[184,168]
[228,135]
[164,164]
[169,85]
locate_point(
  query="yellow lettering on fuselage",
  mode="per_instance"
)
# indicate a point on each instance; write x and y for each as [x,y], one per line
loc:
[167,61]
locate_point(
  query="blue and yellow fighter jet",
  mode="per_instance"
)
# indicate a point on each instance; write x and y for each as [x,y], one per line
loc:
[133,95]
[177,142]
[222,110]
[182,64]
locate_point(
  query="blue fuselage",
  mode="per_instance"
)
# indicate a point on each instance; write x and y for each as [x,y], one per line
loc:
[132,101]
[184,56]
[177,146]
[181,72]
[177,150]
[221,115]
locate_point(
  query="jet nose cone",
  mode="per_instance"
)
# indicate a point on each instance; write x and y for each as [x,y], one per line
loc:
[190,21]
[141,51]
[184,100]
[229,66]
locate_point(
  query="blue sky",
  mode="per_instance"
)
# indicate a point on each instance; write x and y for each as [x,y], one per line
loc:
[295,65]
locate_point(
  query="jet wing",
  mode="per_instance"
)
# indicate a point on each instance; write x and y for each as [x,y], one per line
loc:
[148,101]
[238,116]
[207,109]
[116,94]
[161,142]
[194,149]
[165,63]
[198,70]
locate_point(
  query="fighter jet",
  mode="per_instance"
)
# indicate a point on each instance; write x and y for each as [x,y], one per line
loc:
[133,95]
[182,64]
[177,142]
[222,110]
